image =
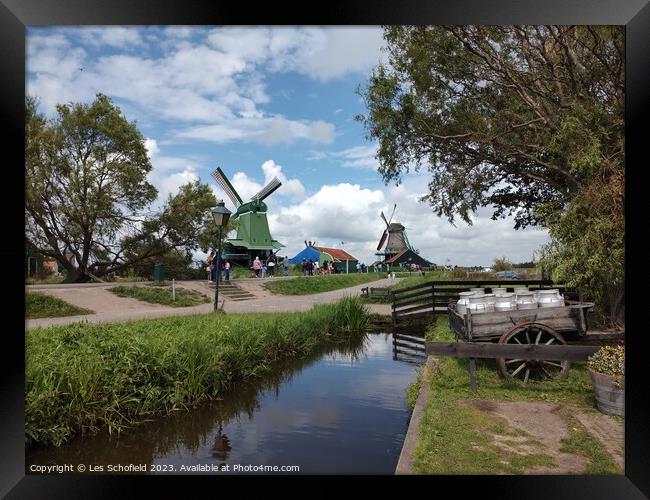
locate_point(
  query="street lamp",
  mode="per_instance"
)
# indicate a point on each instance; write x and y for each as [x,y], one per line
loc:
[221,215]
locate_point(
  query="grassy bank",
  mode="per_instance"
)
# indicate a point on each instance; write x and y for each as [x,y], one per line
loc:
[40,305]
[457,438]
[306,285]
[161,295]
[84,377]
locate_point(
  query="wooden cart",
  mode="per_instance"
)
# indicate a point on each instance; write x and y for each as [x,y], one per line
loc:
[541,326]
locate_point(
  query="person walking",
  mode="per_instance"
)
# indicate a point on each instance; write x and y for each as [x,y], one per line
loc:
[257,267]
[226,271]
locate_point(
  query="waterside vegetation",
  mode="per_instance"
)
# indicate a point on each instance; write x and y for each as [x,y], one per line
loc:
[84,377]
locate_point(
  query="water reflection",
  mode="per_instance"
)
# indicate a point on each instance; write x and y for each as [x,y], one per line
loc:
[342,409]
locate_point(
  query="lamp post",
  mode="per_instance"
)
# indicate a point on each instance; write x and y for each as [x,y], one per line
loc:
[221,215]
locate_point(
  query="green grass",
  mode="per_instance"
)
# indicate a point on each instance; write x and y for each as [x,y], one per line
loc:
[160,294]
[40,305]
[306,285]
[454,437]
[580,442]
[84,377]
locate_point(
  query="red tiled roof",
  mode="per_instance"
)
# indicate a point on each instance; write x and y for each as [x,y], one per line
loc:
[336,253]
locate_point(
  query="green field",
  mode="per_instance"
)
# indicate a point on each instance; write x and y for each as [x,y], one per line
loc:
[307,285]
[155,294]
[83,377]
[40,305]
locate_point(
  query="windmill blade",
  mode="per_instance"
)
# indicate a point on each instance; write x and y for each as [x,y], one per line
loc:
[268,189]
[384,217]
[391,215]
[222,180]
[382,240]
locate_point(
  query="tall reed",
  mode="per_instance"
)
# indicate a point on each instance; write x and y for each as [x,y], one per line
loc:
[84,377]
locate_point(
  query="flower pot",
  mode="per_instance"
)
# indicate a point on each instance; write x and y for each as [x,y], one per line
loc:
[610,396]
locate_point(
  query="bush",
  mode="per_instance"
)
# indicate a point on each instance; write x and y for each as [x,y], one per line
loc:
[608,360]
[502,264]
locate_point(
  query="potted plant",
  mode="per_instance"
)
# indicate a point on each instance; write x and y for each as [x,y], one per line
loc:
[607,370]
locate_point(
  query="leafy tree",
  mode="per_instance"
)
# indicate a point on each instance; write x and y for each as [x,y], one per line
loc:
[526,119]
[502,264]
[87,193]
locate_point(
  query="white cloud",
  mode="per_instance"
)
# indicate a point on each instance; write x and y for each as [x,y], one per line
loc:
[350,213]
[211,84]
[362,157]
[112,36]
[247,187]
[267,131]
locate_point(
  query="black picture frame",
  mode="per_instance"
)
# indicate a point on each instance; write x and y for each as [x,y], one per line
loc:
[16,15]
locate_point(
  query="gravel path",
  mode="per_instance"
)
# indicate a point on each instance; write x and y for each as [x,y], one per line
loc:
[110,308]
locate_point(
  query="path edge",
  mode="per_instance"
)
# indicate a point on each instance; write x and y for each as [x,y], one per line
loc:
[405,462]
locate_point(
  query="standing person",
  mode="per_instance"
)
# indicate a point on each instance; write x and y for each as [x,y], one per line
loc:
[316,267]
[257,267]
[209,268]
[270,263]
[358,267]
[304,267]
[226,271]
[264,269]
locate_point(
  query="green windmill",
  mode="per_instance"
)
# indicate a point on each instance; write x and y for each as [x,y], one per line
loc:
[253,234]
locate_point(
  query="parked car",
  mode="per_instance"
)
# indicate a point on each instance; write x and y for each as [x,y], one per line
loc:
[510,275]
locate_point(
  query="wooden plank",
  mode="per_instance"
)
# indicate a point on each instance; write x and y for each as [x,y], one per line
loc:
[525,351]
[414,308]
[401,336]
[410,346]
[421,293]
[423,300]
[472,374]
[427,284]
[486,283]
[416,315]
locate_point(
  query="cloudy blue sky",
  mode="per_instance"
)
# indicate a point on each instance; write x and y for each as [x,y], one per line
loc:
[262,102]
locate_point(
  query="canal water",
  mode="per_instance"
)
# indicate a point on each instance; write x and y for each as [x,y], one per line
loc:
[342,411]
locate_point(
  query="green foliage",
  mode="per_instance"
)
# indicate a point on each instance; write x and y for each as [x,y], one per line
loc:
[608,360]
[83,377]
[161,295]
[40,305]
[307,285]
[527,119]
[501,264]
[87,192]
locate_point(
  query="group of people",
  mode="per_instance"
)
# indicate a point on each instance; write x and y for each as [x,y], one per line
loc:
[312,267]
[213,275]
[266,267]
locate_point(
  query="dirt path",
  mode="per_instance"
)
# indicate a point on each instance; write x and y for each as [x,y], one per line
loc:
[109,307]
[535,427]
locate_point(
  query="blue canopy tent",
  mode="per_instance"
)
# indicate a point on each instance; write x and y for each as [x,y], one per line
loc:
[308,253]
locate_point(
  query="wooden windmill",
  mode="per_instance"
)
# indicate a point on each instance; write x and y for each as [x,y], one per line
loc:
[394,236]
[253,234]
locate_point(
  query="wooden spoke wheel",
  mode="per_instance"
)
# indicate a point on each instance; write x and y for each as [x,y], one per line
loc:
[523,370]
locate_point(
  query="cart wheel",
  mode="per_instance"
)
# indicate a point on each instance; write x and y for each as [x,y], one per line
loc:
[529,369]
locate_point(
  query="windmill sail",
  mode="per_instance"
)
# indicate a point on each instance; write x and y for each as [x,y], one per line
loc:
[222,180]
[267,190]
[382,240]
